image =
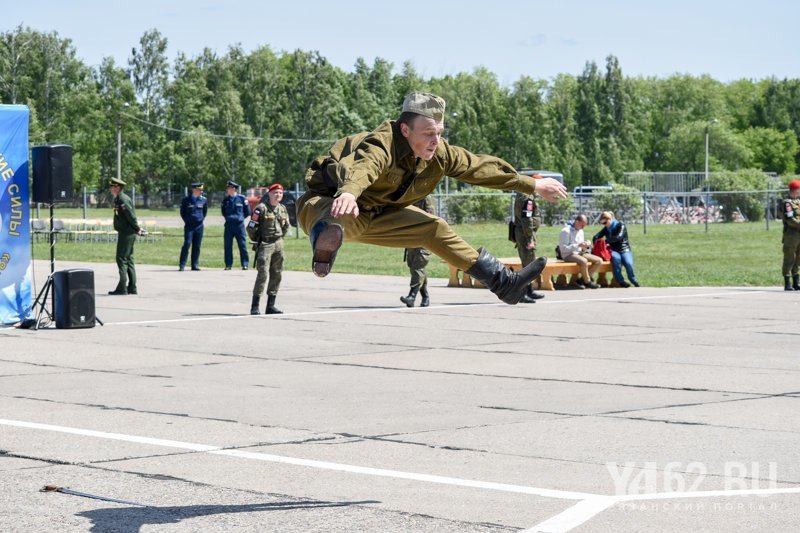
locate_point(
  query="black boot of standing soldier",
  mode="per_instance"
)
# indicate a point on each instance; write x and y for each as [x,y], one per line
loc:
[254,305]
[409,300]
[787,283]
[796,282]
[426,300]
[508,285]
[271,309]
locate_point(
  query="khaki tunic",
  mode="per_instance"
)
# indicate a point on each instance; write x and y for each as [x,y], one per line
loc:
[380,170]
[791,236]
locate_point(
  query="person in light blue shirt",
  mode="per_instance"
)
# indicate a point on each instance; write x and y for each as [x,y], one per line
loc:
[574,248]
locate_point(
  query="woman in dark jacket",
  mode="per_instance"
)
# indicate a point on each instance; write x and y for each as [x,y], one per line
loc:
[616,235]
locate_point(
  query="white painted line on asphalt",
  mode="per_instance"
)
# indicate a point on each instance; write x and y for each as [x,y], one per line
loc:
[586,509]
[428,478]
[588,506]
[574,516]
[433,307]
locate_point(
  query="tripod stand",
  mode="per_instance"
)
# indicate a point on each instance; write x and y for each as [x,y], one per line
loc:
[47,288]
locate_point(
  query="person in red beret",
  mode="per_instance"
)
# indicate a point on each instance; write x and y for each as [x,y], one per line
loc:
[268,224]
[791,238]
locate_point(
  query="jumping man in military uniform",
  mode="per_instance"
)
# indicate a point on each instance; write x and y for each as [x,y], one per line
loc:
[193,212]
[526,223]
[417,260]
[364,187]
[127,228]
[791,238]
[235,208]
[267,226]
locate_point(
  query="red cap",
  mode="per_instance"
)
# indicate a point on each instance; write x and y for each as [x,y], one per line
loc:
[794,184]
[275,186]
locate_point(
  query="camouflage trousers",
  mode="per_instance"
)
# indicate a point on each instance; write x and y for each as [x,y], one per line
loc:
[417,260]
[791,252]
[269,263]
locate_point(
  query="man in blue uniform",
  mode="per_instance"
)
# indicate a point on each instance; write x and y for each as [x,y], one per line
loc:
[193,211]
[235,209]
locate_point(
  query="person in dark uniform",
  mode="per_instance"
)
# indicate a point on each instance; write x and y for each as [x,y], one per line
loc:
[364,188]
[127,228]
[417,260]
[193,212]
[527,220]
[235,208]
[267,226]
[791,238]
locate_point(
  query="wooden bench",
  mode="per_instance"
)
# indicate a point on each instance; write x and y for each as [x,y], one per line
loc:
[555,269]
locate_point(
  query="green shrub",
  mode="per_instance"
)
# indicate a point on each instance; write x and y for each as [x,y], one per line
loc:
[749,204]
[478,204]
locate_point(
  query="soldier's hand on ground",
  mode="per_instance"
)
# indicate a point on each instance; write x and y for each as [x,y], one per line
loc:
[550,189]
[344,204]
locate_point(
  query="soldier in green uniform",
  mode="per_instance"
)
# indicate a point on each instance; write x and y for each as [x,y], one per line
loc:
[527,220]
[127,228]
[363,189]
[268,224]
[791,238]
[417,260]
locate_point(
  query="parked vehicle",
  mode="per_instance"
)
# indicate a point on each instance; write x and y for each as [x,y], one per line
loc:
[587,191]
[543,173]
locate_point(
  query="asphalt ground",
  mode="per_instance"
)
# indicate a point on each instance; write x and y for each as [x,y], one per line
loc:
[593,410]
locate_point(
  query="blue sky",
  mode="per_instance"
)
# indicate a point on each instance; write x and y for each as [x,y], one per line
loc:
[728,40]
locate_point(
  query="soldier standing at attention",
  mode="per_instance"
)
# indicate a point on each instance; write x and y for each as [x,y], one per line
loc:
[193,211]
[235,209]
[267,226]
[127,229]
[791,238]
[526,223]
[417,260]
[363,189]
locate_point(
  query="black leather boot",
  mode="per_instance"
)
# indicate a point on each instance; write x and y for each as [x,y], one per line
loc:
[409,300]
[254,305]
[326,239]
[271,309]
[535,295]
[796,282]
[787,283]
[426,301]
[528,297]
[508,285]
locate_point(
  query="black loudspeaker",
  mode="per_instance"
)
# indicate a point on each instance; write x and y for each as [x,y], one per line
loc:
[73,298]
[52,173]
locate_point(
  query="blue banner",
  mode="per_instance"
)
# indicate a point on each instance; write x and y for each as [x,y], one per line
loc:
[15,226]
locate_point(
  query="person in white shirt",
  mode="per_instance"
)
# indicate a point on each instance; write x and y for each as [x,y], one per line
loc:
[574,248]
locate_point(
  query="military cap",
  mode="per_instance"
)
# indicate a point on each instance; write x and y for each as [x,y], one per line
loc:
[116,181]
[275,186]
[233,184]
[197,185]
[425,104]
[794,184]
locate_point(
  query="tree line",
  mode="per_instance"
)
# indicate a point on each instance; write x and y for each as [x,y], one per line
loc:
[260,117]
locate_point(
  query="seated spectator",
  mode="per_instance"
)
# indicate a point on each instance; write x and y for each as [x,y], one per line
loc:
[575,249]
[616,236]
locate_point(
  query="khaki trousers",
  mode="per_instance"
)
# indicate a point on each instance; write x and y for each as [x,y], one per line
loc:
[395,227]
[583,261]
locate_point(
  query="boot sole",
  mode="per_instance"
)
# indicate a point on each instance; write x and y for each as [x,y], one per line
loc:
[328,243]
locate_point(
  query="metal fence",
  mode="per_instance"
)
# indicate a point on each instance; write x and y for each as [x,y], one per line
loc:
[474,205]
